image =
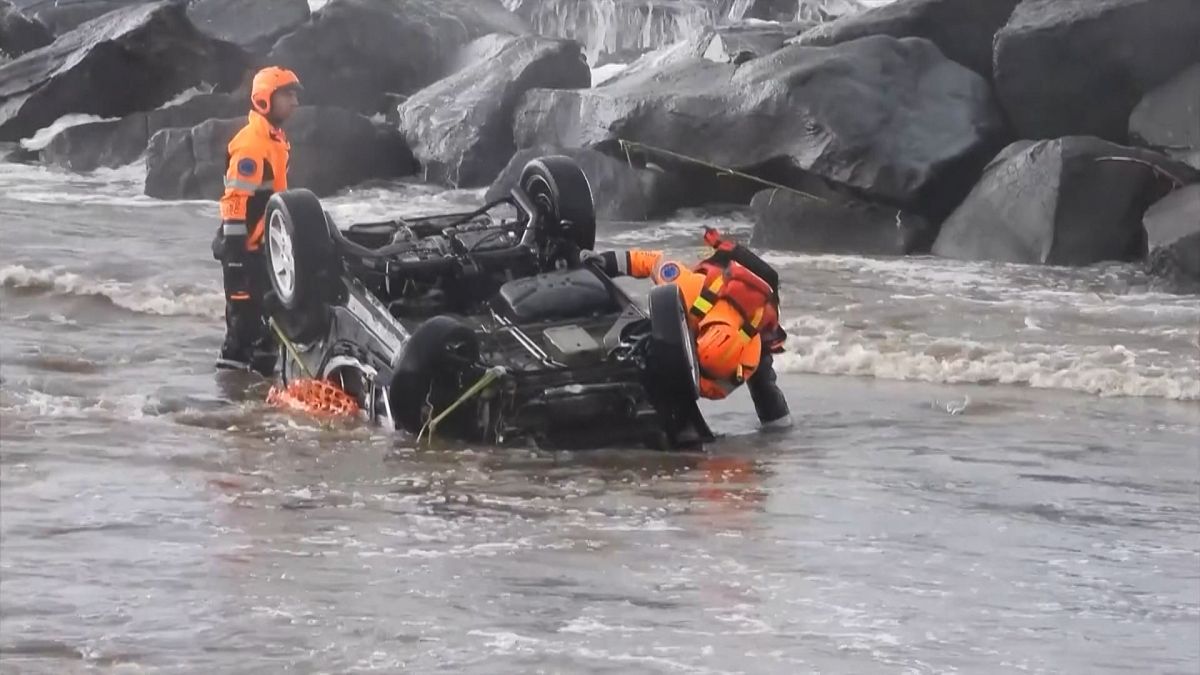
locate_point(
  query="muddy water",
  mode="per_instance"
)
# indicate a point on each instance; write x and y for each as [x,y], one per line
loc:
[994,469]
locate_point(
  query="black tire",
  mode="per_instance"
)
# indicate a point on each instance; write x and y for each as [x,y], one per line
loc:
[301,288]
[430,371]
[561,192]
[673,365]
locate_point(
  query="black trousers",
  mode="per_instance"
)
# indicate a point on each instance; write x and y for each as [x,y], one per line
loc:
[249,342]
[769,402]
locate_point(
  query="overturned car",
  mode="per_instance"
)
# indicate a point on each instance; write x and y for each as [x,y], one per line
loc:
[485,325]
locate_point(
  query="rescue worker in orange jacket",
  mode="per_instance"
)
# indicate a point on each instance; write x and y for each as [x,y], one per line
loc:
[732,310]
[256,164]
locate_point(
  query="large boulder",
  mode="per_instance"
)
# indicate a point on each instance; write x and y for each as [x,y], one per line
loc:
[891,118]
[1173,235]
[962,29]
[114,143]
[1071,201]
[622,192]
[20,33]
[1168,118]
[721,44]
[331,149]
[355,53]
[833,223]
[460,128]
[253,24]
[132,59]
[62,16]
[1078,67]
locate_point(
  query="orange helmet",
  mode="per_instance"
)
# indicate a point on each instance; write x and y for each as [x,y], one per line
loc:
[268,81]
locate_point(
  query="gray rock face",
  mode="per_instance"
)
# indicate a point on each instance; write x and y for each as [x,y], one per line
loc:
[331,149]
[20,33]
[835,224]
[252,24]
[621,192]
[890,118]
[1069,201]
[460,128]
[1173,235]
[132,59]
[354,53]
[1078,67]
[1168,118]
[114,143]
[962,29]
[62,16]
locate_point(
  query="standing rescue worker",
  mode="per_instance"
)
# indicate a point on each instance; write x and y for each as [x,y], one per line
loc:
[732,303]
[256,164]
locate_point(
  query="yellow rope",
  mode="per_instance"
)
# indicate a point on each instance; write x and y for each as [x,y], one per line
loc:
[494,373]
[291,349]
[721,170]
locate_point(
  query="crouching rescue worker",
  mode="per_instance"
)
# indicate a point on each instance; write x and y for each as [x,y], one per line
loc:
[732,302]
[256,164]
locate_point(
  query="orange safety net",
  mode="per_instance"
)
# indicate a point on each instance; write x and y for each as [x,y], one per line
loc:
[320,398]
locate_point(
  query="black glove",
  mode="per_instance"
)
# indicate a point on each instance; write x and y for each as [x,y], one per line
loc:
[606,261]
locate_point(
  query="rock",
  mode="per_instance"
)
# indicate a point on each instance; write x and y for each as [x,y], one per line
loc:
[1078,67]
[20,33]
[63,16]
[891,118]
[114,143]
[460,128]
[719,44]
[1069,201]
[836,224]
[355,53]
[621,192]
[962,29]
[1173,235]
[1168,118]
[331,149]
[132,59]
[738,44]
[253,24]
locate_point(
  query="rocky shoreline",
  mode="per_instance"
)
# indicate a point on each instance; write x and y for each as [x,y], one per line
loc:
[1008,130]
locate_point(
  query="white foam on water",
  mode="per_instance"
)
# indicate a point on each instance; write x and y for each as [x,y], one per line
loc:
[189,94]
[42,137]
[128,407]
[826,346]
[142,298]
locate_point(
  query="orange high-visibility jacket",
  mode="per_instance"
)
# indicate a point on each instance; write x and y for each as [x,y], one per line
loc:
[728,345]
[256,165]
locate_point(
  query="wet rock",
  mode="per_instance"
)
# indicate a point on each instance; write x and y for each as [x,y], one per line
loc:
[460,128]
[20,33]
[1078,67]
[1070,201]
[621,192]
[719,44]
[962,29]
[132,59]
[253,24]
[891,118]
[835,223]
[62,16]
[331,149]
[1168,118]
[355,53]
[114,143]
[1173,235]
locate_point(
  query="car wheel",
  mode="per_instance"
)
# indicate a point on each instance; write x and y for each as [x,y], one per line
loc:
[299,251]
[672,361]
[561,192]
[429,371]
